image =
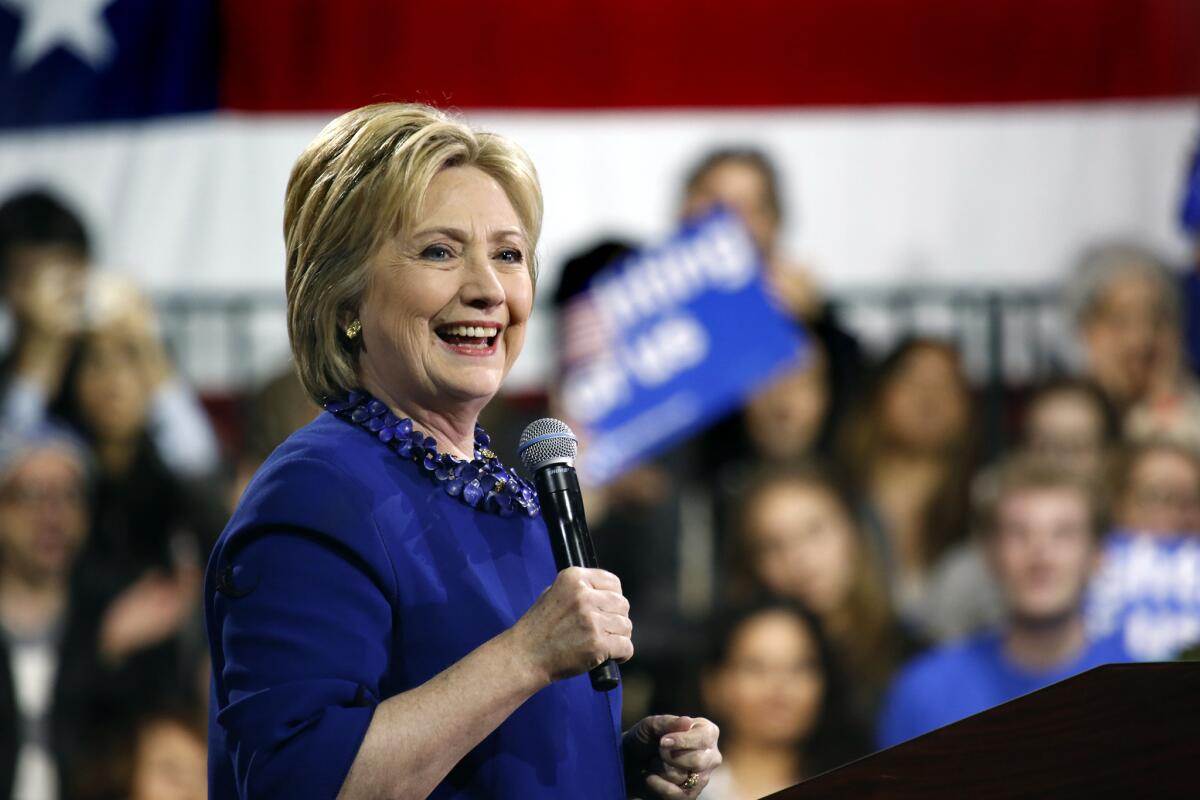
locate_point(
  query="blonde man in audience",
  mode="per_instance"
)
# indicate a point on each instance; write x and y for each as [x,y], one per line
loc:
[1041,538]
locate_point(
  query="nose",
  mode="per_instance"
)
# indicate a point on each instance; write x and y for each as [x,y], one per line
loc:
[481,287]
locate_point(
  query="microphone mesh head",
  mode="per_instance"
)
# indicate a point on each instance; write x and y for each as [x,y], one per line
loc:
[546,441]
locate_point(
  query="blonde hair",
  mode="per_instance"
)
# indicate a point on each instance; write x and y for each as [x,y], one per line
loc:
[1021,473]
[360,182]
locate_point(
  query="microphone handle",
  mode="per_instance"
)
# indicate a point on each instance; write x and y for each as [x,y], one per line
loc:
[562,509]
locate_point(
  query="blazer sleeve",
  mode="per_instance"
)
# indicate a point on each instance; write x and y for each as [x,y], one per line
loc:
[299,603]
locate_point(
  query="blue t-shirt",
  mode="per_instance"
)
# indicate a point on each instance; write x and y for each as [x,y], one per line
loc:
[969,676]
[346,576]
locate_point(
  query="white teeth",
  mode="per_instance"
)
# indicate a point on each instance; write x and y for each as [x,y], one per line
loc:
[474,331]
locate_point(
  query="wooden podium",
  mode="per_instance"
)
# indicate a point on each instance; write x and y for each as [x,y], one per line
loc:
[1117,731]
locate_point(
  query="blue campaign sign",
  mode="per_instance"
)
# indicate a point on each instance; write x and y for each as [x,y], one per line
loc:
[674,338]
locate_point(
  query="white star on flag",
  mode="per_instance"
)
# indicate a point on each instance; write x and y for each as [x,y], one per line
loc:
[75,25]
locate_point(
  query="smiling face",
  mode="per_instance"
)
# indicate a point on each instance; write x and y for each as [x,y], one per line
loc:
[924,404]
[769,690]
[447,302]
[743,188]
[43,515]
[1161,494]
[1129,336]
[1043,552]
[803,545]
[1067,429]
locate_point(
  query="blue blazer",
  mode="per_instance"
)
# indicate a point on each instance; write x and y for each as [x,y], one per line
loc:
[346,576]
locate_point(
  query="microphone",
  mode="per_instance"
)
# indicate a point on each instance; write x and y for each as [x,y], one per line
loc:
[547,449]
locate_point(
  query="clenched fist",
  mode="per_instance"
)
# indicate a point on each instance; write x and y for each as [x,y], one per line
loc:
[578,623]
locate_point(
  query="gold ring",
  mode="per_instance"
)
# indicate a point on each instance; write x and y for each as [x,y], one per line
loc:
[692,779]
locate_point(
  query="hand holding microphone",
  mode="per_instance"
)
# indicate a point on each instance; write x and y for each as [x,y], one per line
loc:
[547,449]
[581,621]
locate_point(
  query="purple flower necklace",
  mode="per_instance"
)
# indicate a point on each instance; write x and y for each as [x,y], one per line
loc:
[483,482]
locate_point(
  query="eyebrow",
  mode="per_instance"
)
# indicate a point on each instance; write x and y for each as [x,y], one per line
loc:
[459,235]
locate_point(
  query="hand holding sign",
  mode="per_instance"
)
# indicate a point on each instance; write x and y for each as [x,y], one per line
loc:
[682,334]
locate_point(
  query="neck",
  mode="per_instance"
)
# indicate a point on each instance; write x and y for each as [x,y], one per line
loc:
[30,603]
[896,458]
[116,455]
[759,769]
[1045,643]
[838,622]
[453,429]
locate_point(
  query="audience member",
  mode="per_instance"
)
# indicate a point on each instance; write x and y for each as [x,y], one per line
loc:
[273,412]
[796,538]
[1157,489]
[771,683]
[161,755]
[1146,589]
[1041,538]
[906,452]
[44,257]
[48,651]
[786,421]
[1126,307]
[60,678]
[145,516]
[746,181]
[1069,425]
[782,425]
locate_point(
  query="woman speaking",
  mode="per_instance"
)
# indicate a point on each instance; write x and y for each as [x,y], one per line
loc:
[377,607]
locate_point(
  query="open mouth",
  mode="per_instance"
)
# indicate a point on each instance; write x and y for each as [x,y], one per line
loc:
[480,337]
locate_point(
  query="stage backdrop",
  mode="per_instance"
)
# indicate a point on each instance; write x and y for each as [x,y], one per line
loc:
[937,141]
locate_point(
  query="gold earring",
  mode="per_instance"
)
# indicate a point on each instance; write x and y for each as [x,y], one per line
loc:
[353,329]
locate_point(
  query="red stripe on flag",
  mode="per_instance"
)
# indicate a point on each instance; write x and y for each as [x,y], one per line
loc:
[299,55]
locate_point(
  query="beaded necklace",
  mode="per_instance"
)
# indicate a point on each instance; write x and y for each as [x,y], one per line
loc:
[483,482]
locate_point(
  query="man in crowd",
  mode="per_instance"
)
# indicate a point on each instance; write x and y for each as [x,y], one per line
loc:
[47,647]
[1040,536]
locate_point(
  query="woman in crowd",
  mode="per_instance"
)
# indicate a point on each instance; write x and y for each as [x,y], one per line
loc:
[906,454]
[1156,489]
[784,424]
[151,527]
[383,609]
[146,517]
[796,538]
[1125,304]
[770,680]
[1070,424]
[1145,588]
[747,182]
[158,755]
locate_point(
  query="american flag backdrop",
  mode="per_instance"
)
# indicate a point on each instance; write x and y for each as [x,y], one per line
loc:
[933,141]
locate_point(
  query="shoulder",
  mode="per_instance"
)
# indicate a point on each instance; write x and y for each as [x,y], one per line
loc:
[325,483]
[309,474]
[932,690]
[929,671]
[1109,649]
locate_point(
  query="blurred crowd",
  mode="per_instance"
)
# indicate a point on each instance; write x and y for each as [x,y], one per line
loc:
[838,565]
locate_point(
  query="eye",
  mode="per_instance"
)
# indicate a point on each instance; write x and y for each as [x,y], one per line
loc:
[437,252]
[510,255]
